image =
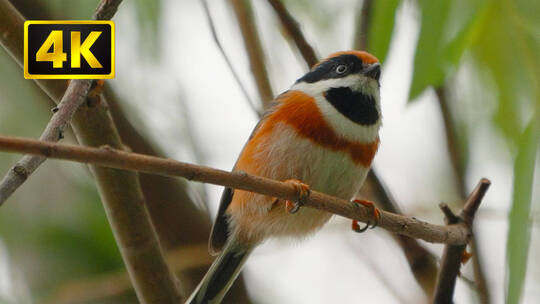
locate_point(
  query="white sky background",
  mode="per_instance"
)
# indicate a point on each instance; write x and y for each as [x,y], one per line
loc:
[191,86]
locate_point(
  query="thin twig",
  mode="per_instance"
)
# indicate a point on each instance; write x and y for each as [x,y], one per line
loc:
[480,278]
[226,58]
[293,31]
[423,264]
[109,157]
[175,214]
[119,190]
[452,254]
[106,9]
[457,160]
[252,43]
[75,95]
[363,25]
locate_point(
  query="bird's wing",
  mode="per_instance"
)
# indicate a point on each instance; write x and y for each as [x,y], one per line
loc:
[220,229]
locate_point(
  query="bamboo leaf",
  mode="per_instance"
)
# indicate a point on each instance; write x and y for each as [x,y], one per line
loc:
[507,50]
[382,26]
[519,232]
[447,28]
[427,66]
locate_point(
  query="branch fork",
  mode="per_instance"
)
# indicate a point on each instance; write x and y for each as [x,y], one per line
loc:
[453,254]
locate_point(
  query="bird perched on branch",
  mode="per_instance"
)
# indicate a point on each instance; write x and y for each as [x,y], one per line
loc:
[322,132]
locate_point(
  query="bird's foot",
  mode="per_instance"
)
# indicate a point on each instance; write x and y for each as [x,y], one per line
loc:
[465,257]
[303,194]
[94,95]
[376,216]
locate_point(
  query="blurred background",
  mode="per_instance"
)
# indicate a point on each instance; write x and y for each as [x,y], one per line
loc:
[460,101]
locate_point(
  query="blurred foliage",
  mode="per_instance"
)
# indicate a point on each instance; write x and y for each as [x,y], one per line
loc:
[64,239]
[509,51]
[446,27]
[31,102]
[148,18]
[502,38]
[507,45]
[520,227]
[68,245]
[313,12]
[81,9]
[382,26]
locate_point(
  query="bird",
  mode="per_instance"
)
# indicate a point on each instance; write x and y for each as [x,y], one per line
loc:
[321,134]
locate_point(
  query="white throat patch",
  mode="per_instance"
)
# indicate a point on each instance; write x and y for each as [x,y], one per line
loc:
[342,125]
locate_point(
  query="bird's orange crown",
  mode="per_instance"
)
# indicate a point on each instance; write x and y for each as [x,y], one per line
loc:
[364,56]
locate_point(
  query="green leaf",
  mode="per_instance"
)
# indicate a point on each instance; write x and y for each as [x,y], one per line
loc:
[519,232]
[506,46]
[148,15]
[382,21]
[447,28]
[73,10]
[427,60]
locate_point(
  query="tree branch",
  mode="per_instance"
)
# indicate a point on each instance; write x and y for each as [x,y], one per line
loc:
[106,156]
[119,190]
[452,254]
[362,25]
[75,95]
[106,9]
[252,43]
[178,221]
[292,28]
[457,160]
[175,215]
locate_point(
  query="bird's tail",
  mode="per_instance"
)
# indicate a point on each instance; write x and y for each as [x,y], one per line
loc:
[221,275]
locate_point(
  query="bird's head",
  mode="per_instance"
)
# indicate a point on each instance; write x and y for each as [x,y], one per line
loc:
[356,67]
[346,84]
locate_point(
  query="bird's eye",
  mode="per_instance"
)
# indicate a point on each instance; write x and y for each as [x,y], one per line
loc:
[341,69]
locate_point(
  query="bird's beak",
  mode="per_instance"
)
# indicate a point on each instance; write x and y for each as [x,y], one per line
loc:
[373,71]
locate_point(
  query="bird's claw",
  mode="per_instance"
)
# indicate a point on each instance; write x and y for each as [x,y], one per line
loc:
[376,216]
[465,257]
[303,194]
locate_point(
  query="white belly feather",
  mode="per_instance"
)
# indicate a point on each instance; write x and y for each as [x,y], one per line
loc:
[324,170]
[293,157]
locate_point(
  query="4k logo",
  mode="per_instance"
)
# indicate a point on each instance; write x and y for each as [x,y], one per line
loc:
[68,49]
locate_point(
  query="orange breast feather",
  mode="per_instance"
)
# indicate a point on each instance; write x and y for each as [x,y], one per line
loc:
[299,110]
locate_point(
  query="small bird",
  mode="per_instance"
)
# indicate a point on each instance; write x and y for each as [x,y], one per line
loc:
[322,132]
